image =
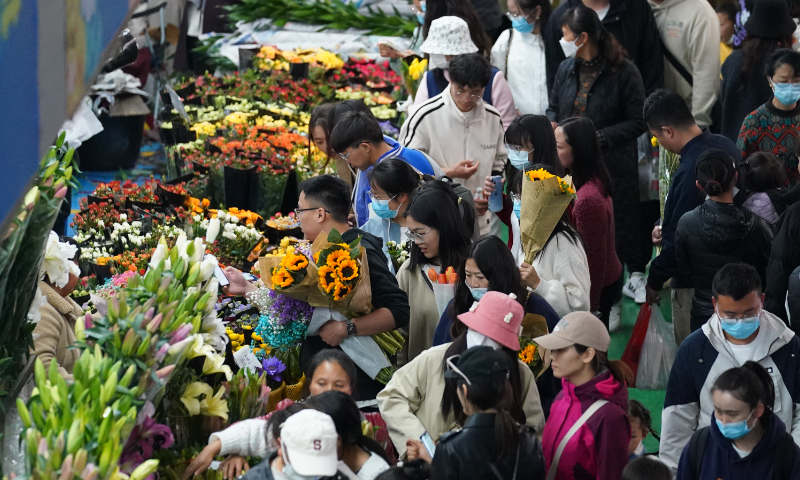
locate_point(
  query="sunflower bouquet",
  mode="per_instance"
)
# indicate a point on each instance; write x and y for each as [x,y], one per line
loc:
[545,197]
[291,273]
[343,275]
[531,355]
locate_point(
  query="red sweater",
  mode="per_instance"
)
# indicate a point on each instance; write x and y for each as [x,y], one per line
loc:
[594,219]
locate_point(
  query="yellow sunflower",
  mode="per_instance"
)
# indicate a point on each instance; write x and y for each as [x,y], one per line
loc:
[539,174]
[347,270]
[281,278]
[316,256]
[294,262]
[335,258]
[527,353]
[327,278]
[340,291]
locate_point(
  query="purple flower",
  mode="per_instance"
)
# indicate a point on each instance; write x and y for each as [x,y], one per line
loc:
[145,439]
[286,309]
[274,368]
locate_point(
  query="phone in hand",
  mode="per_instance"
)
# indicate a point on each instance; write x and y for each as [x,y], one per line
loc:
[496,197]
[426,440]
[221,278]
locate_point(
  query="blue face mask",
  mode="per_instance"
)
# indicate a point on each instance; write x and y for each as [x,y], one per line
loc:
[521,25]
[421,16]
[518,158]
[787,93]
[736,430]
[381,209]
[477,293]
[517,207]
[743,327]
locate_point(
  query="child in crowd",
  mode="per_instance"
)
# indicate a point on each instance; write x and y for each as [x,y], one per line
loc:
[641,425]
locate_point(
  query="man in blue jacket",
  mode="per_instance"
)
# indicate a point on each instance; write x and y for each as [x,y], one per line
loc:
[670,120]
[740,331]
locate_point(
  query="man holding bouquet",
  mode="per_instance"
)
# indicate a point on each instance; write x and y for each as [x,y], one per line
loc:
[323,206]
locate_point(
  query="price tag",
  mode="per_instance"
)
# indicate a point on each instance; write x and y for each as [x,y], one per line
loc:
[245,358]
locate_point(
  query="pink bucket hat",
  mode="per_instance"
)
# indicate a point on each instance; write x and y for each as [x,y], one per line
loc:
[498,316]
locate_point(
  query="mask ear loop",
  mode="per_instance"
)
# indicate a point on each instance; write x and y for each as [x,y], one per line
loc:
[452,367]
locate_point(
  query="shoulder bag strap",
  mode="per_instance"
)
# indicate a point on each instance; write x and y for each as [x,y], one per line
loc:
[508,50]
[551,475]
[678,66]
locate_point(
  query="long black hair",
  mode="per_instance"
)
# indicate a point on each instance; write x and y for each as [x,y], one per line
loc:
[450,401]
[565,225]
[587,157]
[347,419]
[583,19]
[601,363]
[463,9]
[527,6]
[538,132]
[495,393]
[436,205]
[394,176]
[330,355]
[715,172]
[757,51]
[751,384]
[497,264]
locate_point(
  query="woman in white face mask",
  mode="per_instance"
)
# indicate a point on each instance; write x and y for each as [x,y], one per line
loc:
[418,401]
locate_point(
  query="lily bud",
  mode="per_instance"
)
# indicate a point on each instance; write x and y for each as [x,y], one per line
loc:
[61,192]
[165,372]
[212,231]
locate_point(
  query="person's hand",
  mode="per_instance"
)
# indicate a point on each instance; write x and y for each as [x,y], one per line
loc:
[203,460]
[529,276]
[488,185]
[652,296]
[388,52]
[481,205]
[415,449]
[351,220]
[463,169]
[333,332]
[656,235]
[239,285]
[234,466]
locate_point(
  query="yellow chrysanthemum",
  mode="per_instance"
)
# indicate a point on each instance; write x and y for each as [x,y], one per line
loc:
[335,258]
[327,278]
[540,174]
[281,278]
[347,270]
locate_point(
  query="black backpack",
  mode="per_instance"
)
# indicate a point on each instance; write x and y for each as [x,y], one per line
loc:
[784,454]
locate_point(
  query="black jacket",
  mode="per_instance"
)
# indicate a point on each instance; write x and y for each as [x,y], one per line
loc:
[739,98]
[632,24]
[785,258]
[469,454]
[793,296]
[711,236]
[385,294]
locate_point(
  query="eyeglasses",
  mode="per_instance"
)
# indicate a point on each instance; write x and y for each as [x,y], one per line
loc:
[517,148]
[374,198]
[516,197]
[734,321]
[416,237]
[344,157]
[514,16]
[467,95]
[298,210]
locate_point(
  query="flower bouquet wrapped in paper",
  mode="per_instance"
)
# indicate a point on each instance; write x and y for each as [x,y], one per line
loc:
[292,274]
[343,275]
[544,199]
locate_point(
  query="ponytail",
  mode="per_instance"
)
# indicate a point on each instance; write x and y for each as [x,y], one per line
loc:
[600,362]
[496,394]
[751,384]
[715,172]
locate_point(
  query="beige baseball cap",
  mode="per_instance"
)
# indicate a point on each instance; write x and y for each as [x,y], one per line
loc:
[581,328]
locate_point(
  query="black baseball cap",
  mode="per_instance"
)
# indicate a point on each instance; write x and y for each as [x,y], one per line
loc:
[478,364]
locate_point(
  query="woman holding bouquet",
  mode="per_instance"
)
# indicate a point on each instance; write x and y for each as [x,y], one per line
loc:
[418,400]
[580,155]
[440,226]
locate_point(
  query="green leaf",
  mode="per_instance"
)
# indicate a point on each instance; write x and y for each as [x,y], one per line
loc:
[355,242]
[335,236]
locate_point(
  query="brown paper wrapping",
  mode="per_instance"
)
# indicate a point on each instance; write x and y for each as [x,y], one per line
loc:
[298,291]
[543,204]
[534,325]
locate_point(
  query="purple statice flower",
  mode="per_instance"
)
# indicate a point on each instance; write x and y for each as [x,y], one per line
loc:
[274,368]
[286,309]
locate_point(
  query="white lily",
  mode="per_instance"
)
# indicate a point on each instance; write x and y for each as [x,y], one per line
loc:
[212,231]
[207,268]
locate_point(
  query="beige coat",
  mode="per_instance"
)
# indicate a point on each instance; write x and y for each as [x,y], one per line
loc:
[411,403]
[423,316]
[56,331]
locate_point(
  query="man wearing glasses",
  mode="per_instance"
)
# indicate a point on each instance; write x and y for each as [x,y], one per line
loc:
[740,331]
[460,131]
[358,140]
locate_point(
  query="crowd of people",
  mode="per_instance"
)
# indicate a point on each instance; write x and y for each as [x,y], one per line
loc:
[593,89]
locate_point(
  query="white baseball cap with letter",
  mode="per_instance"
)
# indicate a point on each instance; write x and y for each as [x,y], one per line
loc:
[308,441]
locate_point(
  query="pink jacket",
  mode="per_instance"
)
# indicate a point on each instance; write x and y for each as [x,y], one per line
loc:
[599,449]
[594,220]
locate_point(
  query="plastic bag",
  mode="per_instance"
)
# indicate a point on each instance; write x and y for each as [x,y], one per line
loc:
[443,293]
[658,354]
[633,349]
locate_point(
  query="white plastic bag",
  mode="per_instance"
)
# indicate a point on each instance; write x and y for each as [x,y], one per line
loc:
[443,293]
[658,354]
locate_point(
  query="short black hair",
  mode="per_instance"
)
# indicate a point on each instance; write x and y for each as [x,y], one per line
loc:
[338,110]
[736,280]
[729,8]
[471,70]
[780,57]
[764,172]
[355,128]
[646,467]
[329,192]
[665,108]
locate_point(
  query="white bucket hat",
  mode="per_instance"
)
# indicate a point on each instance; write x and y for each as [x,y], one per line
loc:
[448,36]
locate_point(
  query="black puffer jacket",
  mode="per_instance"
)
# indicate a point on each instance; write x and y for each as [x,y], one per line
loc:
[711,236]
[469,454]
[615,105]
[785,258]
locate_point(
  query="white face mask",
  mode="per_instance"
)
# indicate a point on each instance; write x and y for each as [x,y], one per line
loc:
[570,48]
[288,470]
[475,339]
[439,61]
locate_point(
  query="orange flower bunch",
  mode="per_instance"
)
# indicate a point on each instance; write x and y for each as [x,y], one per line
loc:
[199,206]
[249,218]
[287,140]
[338,269]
